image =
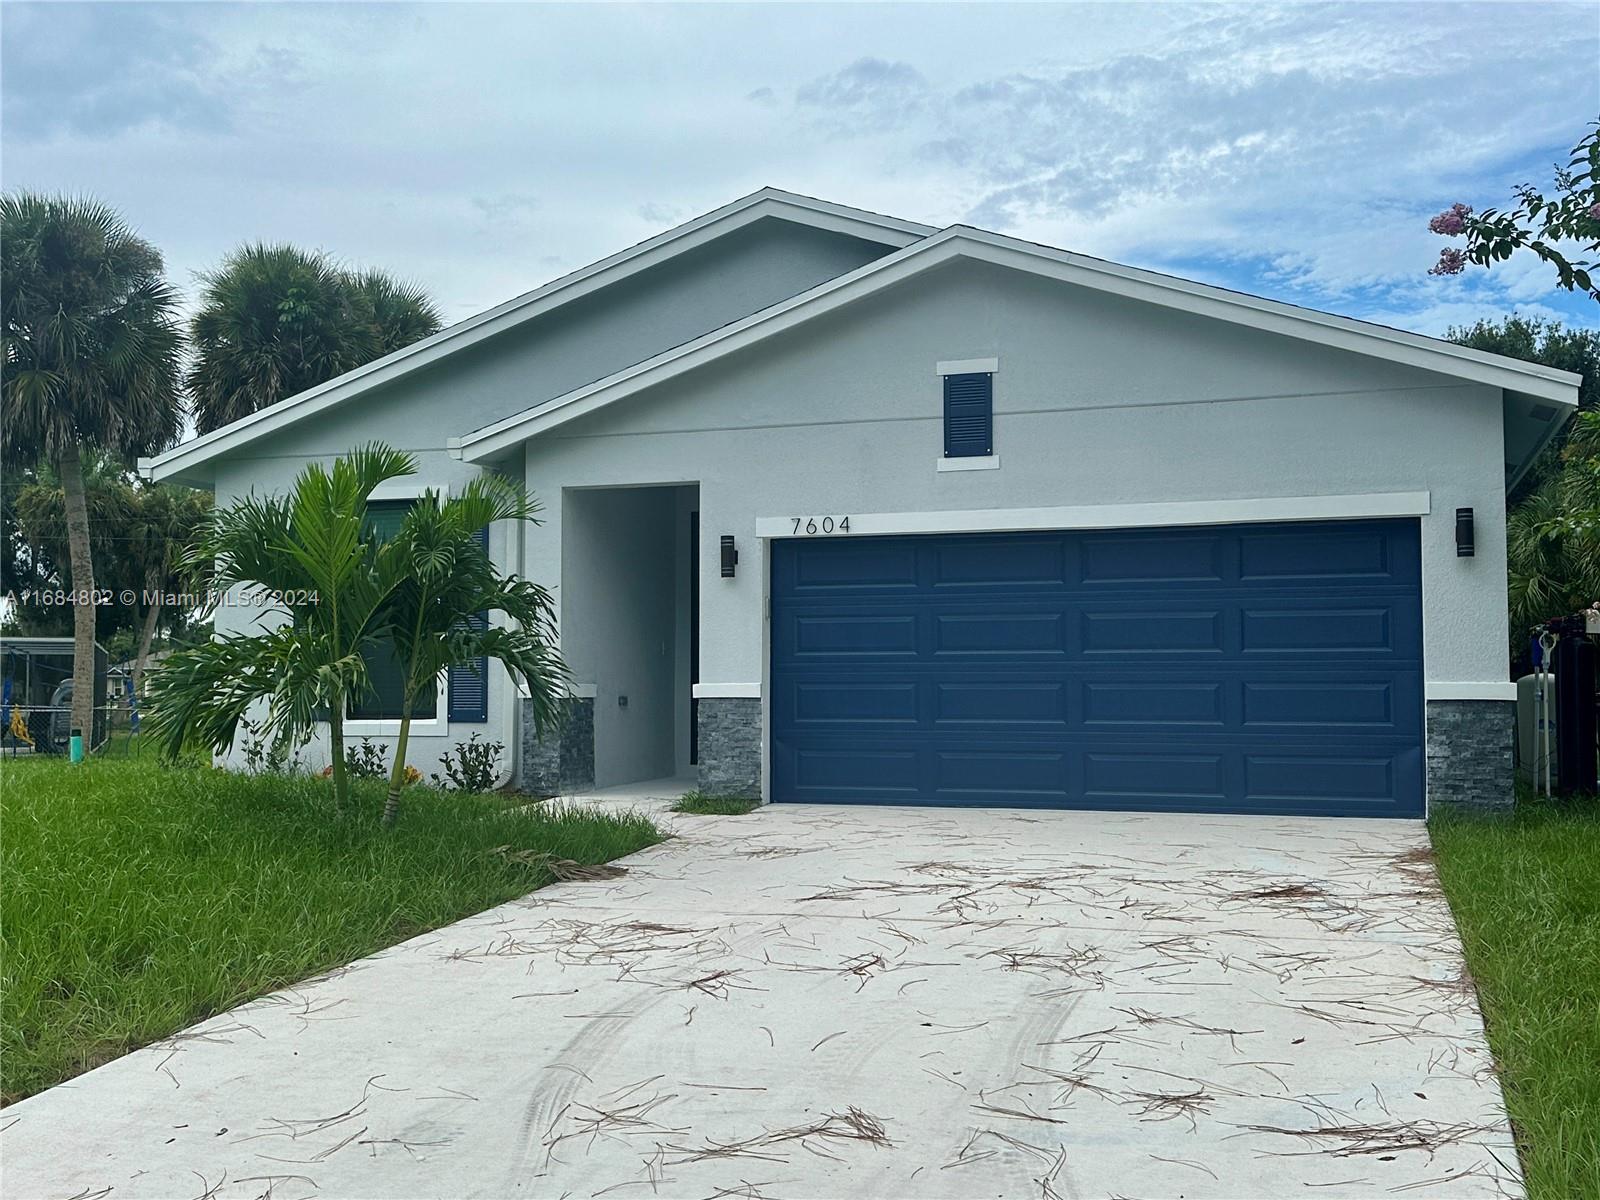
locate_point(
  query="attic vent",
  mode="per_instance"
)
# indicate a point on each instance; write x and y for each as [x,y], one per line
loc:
[1542,412]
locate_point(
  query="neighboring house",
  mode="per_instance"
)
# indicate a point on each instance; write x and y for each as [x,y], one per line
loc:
[840,507]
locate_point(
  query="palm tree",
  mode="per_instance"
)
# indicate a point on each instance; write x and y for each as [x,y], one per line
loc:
[401,313]
[276,320]
[437,615]
[331,581]
[91,363]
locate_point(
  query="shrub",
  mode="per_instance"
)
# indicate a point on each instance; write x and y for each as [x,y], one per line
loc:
[473,767]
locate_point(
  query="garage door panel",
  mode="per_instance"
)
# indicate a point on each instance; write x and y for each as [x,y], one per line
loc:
[986,563]
[824,703]
[1313,774]
[1111,559]
[850,634]
[1237,669]
[1371,704]
[1149,773]
[1316,554]
[1037,776]
[1000,632]
[826,772]
[1150,631]
[848,564]
[1121,703]
[1036,704]
[1360,628]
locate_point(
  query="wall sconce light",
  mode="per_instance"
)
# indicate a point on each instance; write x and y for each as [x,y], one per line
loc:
[1464,541]
[730,556]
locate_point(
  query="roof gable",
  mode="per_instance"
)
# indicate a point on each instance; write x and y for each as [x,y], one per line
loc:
[1526,385]
[766,204]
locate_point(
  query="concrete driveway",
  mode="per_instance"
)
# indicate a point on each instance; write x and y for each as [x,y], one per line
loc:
[827,1002]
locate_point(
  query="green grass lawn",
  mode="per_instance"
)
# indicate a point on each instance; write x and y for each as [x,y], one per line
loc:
[139,899]
[1525,889]
[714,806]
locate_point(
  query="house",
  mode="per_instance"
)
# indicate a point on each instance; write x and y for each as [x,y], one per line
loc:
[839,507]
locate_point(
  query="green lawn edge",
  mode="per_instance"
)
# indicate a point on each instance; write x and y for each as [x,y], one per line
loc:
[1525,890]
[140,899]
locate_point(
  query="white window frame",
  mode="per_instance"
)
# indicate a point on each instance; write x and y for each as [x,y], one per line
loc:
[439,723]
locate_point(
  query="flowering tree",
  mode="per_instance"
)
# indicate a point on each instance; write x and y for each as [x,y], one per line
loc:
[1543,224]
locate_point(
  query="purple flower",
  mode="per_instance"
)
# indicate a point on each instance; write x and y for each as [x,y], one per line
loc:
[1451,262]
[1451,221]
[1594,212]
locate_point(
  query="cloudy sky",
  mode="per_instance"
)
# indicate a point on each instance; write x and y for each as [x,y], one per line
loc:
[1290,151]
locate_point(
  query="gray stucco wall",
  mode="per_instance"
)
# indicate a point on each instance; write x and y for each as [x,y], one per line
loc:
[1098,401]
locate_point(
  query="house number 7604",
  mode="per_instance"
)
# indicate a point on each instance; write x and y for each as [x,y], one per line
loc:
[811,525]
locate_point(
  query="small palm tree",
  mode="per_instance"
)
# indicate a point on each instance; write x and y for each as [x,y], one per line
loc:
[309,550]
[448,580]
[91,364]
[276,320]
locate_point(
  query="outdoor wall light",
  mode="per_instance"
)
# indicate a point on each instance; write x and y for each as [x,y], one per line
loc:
[1464,540]
[730,556]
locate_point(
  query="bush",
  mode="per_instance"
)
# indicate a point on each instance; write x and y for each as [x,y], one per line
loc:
[473,767]
[367,760]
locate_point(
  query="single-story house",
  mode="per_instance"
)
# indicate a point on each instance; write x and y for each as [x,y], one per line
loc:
[840,507]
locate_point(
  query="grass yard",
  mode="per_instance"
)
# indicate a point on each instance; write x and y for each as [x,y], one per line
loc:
[140,899]
[1525,889]
[714,806]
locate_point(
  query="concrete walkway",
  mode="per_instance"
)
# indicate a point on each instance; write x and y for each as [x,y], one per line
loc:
[827,1002]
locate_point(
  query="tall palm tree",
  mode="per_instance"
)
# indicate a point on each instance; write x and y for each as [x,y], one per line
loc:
[438,614]
[91,363]
[308,552]
[276,320]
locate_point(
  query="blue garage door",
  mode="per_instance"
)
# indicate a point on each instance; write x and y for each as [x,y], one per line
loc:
[1250,669]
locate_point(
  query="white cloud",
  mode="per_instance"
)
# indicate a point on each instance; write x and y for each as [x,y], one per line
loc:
[1296,151]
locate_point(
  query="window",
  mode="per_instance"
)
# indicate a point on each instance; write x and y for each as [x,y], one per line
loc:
[385,672]
[969,415]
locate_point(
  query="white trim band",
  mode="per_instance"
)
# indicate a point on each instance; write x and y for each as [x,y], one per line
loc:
[1125,516]
[966,366]
[986,462]
[722,691]
[1469,691]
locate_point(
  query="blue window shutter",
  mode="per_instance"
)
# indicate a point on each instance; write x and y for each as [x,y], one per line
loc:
[469,683]
[968,415]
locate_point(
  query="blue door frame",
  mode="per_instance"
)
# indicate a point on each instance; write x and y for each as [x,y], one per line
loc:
[1233,669]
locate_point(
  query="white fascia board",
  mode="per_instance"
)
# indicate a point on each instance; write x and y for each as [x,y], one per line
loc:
[1123,516]
[1344,333]
[768,202]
